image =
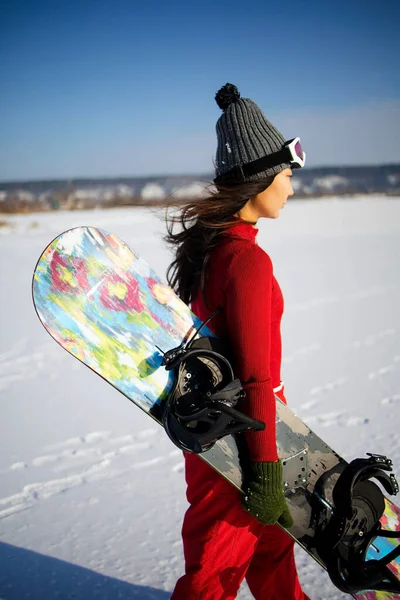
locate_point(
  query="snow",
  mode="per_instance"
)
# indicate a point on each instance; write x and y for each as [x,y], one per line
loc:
[92,493]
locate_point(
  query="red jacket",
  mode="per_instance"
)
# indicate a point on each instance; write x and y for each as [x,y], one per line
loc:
[239,278]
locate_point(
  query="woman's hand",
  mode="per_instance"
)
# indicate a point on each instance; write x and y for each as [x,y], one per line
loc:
[263,494]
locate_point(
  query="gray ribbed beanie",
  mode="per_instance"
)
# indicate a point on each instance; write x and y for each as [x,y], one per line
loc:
[244,134]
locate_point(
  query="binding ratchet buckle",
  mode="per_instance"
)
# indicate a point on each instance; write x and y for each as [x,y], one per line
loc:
[354,525]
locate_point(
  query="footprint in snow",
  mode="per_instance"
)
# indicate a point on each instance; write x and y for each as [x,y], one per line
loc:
[390,399]
[372,338]
[85,450]
[96,436]
[355,421]
[18,364]
[178,468]
[383,370]
[328,387]
[35,492]
[310,404]
[340,419]
[304,351]
[146,433]
[76,442]
[18,465]
[148,463]
[314,303]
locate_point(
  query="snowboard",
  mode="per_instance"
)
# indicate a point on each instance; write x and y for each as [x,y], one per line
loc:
[102,303]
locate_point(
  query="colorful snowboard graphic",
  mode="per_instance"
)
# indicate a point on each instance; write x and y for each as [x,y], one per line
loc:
[104,305]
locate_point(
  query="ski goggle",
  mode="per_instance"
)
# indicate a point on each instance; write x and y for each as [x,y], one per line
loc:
[295,152]
[292,152]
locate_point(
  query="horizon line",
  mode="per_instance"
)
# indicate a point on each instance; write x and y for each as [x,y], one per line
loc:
[166,175]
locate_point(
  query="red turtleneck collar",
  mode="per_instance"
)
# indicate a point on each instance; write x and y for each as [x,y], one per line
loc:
[241,230]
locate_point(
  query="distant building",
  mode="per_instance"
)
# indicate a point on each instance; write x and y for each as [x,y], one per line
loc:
[152,191]
[394,179]
[24,196]
[197,189]
[330,183]
[297,184]
[87,193]
[117,191]
[18,201]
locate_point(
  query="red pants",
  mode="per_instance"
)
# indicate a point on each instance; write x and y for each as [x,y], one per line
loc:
[223,544]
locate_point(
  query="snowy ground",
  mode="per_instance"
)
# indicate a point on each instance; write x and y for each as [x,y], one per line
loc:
[92,493]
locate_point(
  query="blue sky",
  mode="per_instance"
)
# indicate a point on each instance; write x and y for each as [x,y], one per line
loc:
[108,88]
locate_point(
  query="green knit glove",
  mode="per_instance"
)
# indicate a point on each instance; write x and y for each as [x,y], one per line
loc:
[263,494]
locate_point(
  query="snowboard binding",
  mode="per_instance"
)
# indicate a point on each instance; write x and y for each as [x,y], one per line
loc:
[201,408]
[354,525]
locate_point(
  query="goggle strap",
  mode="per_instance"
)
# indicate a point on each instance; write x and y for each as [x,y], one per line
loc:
[239,173]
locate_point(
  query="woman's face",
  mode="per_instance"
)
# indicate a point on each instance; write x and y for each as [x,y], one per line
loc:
[268,203]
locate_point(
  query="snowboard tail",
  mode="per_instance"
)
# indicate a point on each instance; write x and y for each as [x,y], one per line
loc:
[103,304]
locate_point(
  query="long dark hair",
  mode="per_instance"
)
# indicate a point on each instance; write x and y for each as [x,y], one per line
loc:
[201,224]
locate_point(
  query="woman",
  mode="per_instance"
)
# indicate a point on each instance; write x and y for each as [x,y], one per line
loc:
[226,535]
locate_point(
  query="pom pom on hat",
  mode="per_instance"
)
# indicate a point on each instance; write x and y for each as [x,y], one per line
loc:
[244,135]
[227,95]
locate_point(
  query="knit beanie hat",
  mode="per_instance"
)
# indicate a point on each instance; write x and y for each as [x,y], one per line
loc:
[244,135]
